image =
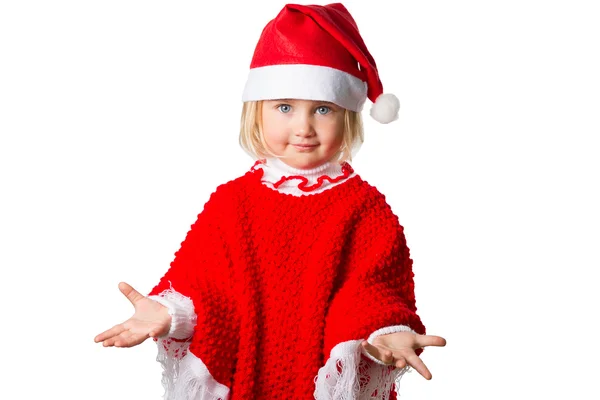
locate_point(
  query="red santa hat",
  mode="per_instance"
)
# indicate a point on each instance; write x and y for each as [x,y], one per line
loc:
[313,52]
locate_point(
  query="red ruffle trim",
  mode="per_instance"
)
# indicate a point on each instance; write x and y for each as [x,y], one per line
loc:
[303,184]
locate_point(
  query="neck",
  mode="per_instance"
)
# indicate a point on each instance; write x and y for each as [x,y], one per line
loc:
[281,165]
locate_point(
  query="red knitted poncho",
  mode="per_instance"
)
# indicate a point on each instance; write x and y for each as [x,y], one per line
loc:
[284,288]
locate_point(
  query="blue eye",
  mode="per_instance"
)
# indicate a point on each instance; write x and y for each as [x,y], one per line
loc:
[323,110]
[284,108]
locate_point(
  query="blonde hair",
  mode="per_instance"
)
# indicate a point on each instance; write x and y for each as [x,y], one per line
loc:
[253,142]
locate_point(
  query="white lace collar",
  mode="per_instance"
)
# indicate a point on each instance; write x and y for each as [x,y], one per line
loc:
[279,176]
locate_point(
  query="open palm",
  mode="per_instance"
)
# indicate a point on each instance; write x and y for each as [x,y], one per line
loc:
[398,349]
[150,319]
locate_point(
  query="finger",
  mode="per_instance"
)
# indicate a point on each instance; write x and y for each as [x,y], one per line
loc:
[137,338]
[114,331]
[132,295]
[387,357]
[123,339]
[400,362]
[382,355]
[430,340]
[132,339]
[414,361]
[118,340]
[110,341]
[372,350]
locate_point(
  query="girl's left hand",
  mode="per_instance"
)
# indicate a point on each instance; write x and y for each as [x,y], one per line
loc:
[398,349]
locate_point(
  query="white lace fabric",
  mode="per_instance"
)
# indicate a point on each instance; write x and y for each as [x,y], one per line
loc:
[185,376]
[348,376]
[345,376]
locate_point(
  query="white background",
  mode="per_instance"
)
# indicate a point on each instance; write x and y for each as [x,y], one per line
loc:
[119,118]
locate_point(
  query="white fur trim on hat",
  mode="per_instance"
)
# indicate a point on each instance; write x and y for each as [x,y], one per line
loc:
[306,82]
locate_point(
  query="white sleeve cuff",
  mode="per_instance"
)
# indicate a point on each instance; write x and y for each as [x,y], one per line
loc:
[181,310]
[384,331]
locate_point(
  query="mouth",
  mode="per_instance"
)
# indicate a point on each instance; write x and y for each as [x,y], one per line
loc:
[304,147]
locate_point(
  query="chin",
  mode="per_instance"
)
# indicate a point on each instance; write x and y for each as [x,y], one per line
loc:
[300,164]
[305,160]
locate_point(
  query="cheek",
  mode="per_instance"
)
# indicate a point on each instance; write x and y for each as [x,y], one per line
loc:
[335,133]
[273,136]
[272,129]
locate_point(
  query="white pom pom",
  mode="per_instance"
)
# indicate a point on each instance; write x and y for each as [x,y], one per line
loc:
[385,109]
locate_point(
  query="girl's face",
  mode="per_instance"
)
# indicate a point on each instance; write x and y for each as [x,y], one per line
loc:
[306,133]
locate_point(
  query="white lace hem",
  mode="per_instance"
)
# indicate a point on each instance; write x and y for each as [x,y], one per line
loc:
[346,376]
[185,376]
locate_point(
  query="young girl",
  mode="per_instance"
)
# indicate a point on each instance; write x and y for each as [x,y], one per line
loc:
[295,281]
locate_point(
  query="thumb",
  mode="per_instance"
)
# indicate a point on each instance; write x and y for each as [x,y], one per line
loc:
[132,295]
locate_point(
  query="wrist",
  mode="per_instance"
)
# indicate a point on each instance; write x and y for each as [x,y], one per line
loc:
[180,311]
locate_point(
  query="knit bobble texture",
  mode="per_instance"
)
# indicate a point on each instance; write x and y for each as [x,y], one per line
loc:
[277,281]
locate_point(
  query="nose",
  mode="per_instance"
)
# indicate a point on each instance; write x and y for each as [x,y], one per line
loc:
[303,126]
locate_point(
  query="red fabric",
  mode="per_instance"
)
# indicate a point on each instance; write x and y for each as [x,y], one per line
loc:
[278,280]
[317,35]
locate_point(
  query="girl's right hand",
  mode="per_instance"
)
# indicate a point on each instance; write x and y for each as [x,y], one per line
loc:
[151,319]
